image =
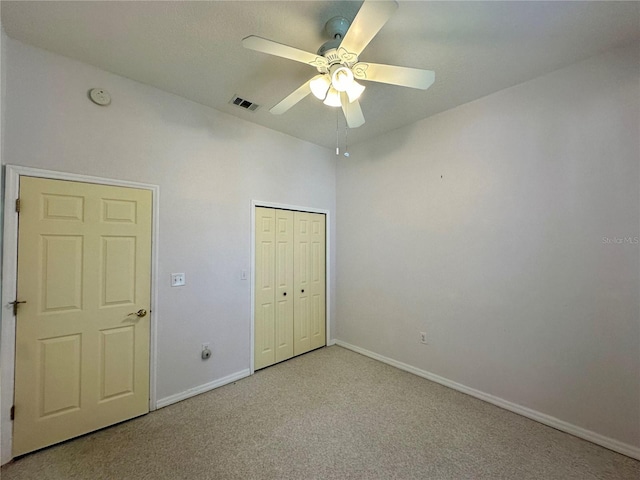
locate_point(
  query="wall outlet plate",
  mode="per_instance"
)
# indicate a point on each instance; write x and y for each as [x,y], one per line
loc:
[177,279]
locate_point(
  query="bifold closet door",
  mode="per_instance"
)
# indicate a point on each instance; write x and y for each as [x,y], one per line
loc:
[273,286]
[309,282]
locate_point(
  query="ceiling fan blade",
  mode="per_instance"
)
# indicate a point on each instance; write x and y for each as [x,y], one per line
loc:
[293,98]
[263,45]
[352,111]
[403,76]
[369,20]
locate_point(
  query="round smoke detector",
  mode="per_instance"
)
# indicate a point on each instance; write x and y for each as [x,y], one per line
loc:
[100,96]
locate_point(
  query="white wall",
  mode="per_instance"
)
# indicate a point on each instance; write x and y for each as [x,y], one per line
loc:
[484,226]
[209,167]
[501,260]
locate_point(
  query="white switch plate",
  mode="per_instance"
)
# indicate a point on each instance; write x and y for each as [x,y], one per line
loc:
[177,279]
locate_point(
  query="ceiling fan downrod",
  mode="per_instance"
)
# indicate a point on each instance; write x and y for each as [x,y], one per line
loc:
[336,28]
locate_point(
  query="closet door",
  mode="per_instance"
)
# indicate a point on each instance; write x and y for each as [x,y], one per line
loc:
[309,282]
[273,287]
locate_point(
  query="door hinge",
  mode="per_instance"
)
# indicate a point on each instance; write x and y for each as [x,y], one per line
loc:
[13,412]
[17,205]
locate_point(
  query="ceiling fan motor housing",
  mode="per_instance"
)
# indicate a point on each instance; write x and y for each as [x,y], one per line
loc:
[330,53]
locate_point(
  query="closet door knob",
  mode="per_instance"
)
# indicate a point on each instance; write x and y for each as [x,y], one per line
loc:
[285,294]
[303,290]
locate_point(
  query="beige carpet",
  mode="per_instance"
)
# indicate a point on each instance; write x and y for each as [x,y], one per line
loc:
[330,414]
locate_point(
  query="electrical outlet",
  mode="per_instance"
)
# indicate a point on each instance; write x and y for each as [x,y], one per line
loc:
[423,337]
[177,279]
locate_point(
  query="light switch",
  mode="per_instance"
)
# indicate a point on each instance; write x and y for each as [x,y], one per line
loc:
[177,279]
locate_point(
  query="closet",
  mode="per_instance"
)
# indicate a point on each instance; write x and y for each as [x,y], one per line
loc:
[289,284]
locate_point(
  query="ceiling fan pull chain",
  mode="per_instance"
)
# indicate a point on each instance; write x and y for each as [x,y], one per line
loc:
[346,138]
[337,134]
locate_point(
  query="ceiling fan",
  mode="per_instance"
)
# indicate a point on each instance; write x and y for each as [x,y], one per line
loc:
[338,65]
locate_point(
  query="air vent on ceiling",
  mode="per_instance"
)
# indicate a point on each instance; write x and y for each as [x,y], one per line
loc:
[246,104]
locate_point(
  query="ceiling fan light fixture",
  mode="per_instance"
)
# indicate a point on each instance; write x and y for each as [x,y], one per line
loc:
[337,63]
[333,98]
[354,91]
[320,86]
[342,78]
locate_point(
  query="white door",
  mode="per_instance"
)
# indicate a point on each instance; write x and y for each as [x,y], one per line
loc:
[82,337]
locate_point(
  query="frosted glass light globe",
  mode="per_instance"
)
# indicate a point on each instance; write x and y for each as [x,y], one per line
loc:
[333,98]
[342,78]
[320,86]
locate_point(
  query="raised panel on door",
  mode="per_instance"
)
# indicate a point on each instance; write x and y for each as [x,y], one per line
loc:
[83,269]
[61,258]
[118,273]
[62,207]
[117,362]
[58,379]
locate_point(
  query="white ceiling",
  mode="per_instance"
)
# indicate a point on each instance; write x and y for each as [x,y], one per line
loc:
[193,49]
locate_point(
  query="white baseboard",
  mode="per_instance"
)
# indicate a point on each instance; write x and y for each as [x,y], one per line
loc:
[331,342]
[163,402]
[607,442]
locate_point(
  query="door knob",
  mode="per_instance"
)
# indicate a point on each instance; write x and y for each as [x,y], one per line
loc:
[285,294]
[140,313]
[303,290]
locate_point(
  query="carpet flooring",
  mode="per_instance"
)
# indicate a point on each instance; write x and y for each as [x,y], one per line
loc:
[329,414]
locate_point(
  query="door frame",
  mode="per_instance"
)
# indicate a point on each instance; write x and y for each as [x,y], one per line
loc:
[9,286]
[328,255]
